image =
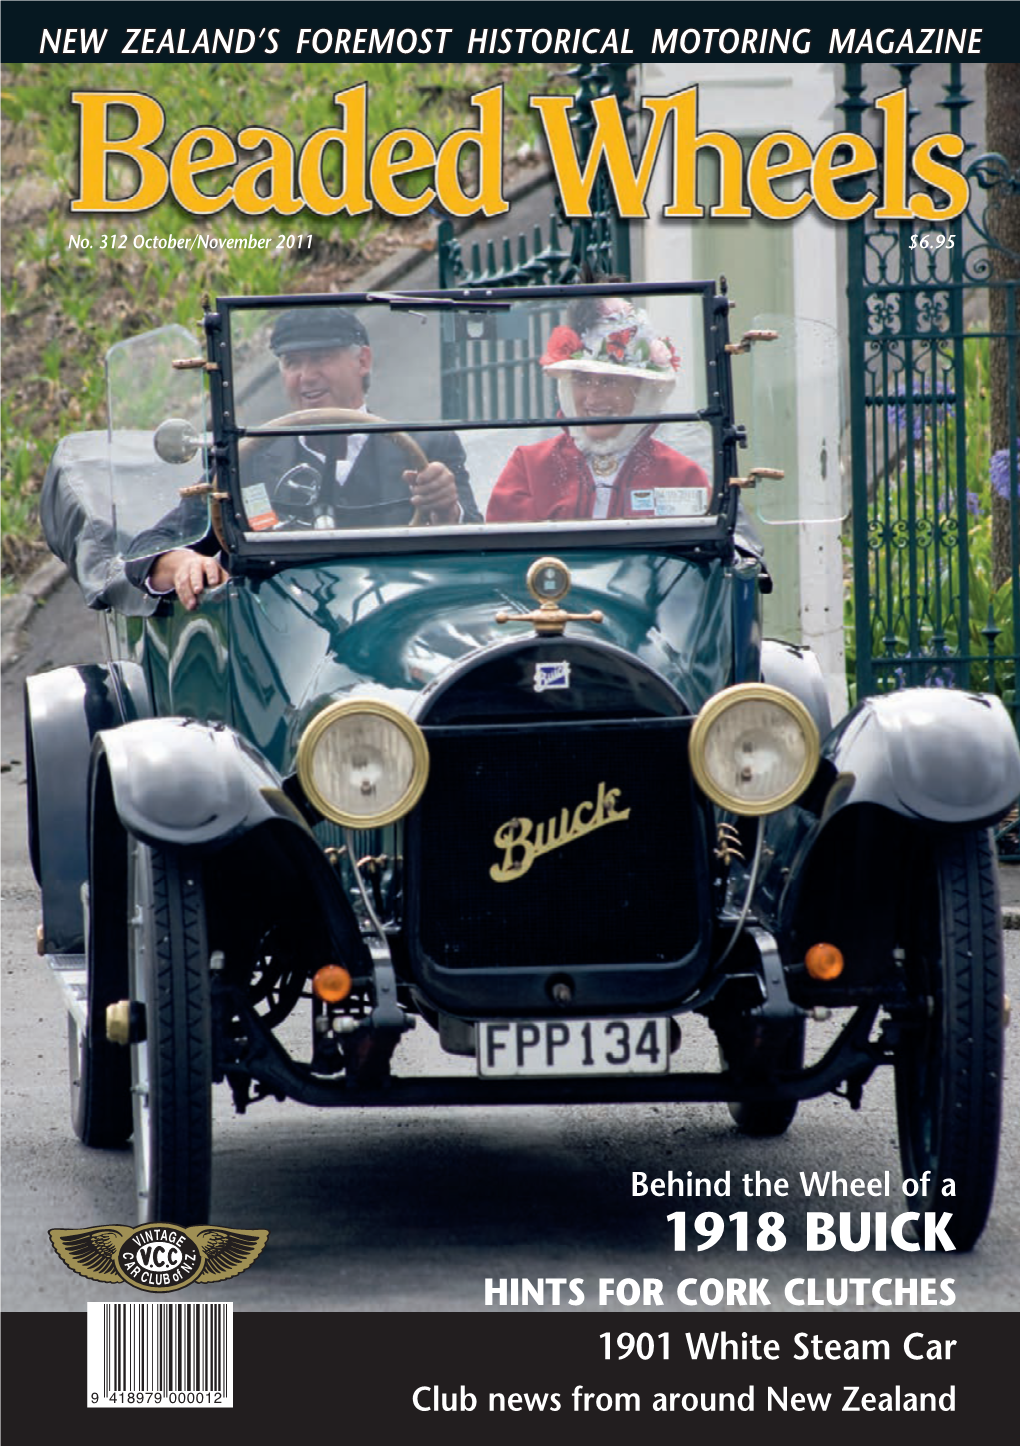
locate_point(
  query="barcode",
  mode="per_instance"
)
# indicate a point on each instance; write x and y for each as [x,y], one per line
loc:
[160,1353]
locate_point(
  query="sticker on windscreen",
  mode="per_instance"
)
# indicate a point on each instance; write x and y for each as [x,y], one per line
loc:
[258,508]
[680,501]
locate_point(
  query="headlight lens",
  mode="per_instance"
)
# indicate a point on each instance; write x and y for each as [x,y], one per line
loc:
[363,763]
[754,748]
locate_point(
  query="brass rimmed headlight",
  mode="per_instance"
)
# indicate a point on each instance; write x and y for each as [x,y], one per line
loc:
[754,748]
[363,763]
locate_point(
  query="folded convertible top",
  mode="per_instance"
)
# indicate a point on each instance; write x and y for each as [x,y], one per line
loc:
[86,526]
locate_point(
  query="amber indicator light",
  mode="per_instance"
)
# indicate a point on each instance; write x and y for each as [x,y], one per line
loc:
[331,983]
[824,961]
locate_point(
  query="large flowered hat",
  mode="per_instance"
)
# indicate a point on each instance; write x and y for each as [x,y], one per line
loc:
[619,341]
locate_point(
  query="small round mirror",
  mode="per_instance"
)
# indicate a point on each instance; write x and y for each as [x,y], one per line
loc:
[176,440]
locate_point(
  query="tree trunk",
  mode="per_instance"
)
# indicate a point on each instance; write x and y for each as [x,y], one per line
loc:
[1002,135]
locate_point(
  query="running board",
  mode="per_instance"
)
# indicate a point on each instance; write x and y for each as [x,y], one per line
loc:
[70,973]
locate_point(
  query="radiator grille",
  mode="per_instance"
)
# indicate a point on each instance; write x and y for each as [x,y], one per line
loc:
[625,892]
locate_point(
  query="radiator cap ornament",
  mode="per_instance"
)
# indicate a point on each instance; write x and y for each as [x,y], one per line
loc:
[549,581]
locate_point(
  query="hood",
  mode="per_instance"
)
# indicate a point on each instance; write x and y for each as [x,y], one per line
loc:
[390,627]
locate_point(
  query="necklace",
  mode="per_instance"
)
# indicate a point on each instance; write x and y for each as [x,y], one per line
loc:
[603,466]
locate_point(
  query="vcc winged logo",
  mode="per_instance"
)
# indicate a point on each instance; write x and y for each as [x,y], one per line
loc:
[158,1257]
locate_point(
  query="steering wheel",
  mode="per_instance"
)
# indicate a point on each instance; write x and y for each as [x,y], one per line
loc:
[319,416]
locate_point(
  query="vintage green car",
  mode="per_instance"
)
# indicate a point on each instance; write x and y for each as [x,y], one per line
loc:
[473,723]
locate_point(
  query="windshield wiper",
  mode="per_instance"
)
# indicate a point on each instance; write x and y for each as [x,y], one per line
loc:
[405,301]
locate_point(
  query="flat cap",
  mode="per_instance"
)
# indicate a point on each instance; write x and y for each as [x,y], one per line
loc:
[310,328]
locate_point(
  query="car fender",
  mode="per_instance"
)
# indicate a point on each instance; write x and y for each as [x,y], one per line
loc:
[798,671]
[184,784]
[898,768]
[936,755]
[64,710]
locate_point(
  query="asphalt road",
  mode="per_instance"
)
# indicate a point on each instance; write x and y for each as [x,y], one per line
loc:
[416,1209]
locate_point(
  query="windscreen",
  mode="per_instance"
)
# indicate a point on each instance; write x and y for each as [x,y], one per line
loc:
[390,412]
[148,393]
[796,422]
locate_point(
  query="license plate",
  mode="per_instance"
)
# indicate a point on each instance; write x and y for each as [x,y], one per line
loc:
[519,1047]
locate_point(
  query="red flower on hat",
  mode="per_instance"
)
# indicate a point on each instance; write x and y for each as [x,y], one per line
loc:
[617,342]
[563,343]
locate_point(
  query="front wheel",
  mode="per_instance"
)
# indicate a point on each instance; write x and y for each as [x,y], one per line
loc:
[948,1064]
[171,1067]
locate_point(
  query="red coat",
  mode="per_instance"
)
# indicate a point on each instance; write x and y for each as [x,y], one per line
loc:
[551,481]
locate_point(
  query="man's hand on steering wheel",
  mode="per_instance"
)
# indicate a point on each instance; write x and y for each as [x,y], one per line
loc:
[434,493]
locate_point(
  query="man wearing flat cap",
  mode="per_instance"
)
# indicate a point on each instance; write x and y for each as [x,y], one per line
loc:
[352,479]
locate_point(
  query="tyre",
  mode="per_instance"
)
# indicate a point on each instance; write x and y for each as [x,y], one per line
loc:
[948,1063]
[762,1118]
[171,1067]
[99,1073]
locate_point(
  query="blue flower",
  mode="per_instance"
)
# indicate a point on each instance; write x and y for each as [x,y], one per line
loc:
[998,470]
[930,408]
[935,676]
[947,503]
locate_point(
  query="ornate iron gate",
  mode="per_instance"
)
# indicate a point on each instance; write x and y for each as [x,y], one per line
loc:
[934,369]
[499,379]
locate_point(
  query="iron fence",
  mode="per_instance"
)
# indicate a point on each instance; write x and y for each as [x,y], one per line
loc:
[933,355]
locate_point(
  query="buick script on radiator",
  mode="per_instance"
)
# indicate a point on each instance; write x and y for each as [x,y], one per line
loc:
[523,841]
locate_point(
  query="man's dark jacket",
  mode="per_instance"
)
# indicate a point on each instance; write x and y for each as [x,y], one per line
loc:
[374,493]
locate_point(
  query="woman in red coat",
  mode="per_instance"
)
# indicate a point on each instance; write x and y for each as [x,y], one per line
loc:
[609,363]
